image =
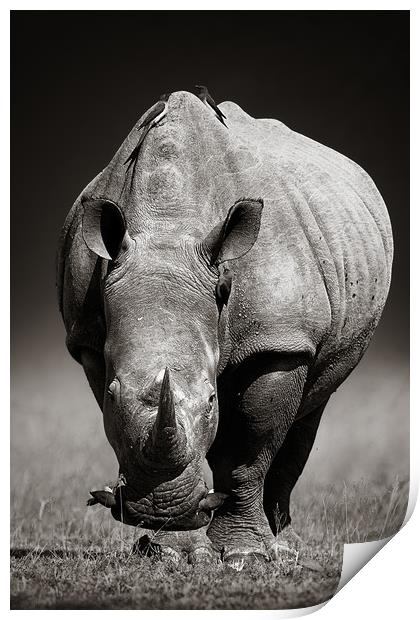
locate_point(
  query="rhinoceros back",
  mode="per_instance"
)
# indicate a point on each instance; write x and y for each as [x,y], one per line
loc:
[319,274]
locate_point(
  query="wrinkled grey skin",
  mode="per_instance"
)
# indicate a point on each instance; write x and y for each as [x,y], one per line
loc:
[308,270]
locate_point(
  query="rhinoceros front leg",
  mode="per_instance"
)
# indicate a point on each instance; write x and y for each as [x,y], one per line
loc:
[256,413]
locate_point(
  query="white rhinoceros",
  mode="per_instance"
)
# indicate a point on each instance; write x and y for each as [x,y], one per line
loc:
[217,288]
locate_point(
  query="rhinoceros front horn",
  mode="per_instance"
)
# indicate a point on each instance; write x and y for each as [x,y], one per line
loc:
[167,442]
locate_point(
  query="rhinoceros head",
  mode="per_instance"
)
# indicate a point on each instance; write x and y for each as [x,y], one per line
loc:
[161,354]
[156,249]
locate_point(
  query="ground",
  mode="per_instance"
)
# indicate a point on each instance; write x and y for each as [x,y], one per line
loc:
[82,559]
[65,555]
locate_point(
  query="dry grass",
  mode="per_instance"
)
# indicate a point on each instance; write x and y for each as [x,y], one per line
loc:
[73,557]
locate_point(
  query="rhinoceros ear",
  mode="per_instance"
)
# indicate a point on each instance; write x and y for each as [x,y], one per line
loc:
[238,233]
[103,227]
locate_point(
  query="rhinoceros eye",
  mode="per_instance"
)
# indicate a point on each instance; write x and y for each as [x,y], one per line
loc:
[223,287]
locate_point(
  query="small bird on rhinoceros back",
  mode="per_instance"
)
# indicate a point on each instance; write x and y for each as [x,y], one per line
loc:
[154,115]
[206,98]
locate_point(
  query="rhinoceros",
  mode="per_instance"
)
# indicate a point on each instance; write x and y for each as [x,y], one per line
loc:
[217,289]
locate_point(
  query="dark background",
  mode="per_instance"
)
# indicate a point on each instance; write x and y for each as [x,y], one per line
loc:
[80,80]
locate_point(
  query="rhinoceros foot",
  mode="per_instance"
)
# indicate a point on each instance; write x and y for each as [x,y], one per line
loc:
[148,547]
[203,555]
[193,546]
[239,557]
[242,537]
[280,550]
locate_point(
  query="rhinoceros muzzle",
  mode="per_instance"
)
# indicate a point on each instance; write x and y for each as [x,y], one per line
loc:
[165,487]
[168,507]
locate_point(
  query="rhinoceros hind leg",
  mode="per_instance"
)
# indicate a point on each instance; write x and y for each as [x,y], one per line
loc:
[287,467]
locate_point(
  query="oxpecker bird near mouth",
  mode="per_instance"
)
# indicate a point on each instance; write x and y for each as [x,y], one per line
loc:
[155,114]
[105,497]
[206,98]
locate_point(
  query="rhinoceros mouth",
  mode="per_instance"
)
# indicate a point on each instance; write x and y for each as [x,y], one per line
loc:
[157,509]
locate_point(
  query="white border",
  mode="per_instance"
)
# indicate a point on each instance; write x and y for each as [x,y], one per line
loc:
[388,584]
